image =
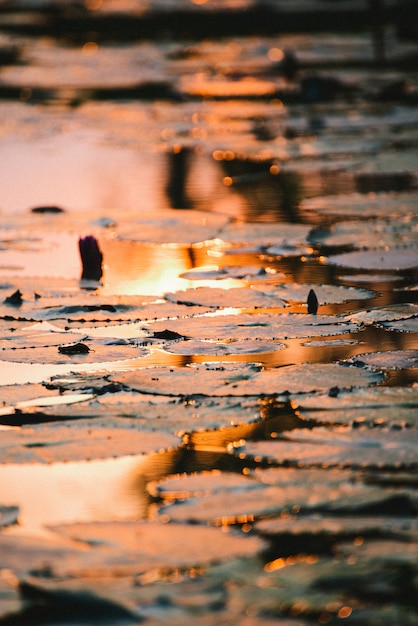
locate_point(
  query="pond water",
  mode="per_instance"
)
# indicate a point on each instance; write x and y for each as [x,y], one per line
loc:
[226,418]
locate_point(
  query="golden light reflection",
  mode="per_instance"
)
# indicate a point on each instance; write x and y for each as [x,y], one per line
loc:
[68,492]
[133,268]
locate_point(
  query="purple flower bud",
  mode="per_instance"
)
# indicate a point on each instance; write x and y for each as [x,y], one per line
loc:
[91,258]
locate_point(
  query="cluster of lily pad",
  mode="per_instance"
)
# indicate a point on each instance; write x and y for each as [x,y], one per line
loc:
[263,414]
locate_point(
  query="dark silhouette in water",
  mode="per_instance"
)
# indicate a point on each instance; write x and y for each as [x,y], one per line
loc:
[91,258]
[312,302]
[178,167]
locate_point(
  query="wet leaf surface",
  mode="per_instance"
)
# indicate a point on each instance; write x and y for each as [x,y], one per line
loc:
[261,326]
[340,447]
[221,298]
[220,349]
[390,360]
[223,380]
[325,293]
[81,439]
[226,170]
[395,259]
[162,545]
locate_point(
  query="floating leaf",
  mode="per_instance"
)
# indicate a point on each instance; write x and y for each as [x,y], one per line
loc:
[384,313]
[163,545]
[389,360]
[409,325]
[265,234]
[81,439]
[286,250]
[308,531]
[245,379]
[340,447]
[262,326]
[158,414]
[231,272]
[238,298]
[241,499]
[395,259]
[298,292]
[364,205]
[200,485]
[216,348]
[374,397]
[370,278]
[370,234]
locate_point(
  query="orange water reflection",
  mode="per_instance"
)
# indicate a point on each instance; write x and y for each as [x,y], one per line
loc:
[132,268]
[66,492]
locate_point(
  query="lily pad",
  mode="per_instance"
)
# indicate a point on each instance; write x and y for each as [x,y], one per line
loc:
[312,528]
[364,205]
[200,485]
[216,348]
[262,326]
[298,292]
[246,379]
[371,234]
[287,251]
[340,447]
[395,259]
[389,360]
[253,272]
[164,545]
[242,499]
[65,350]
[383,406]
[265,235]
[238,298]
[386,313]
[81,439]
[409,325]
[181,417]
